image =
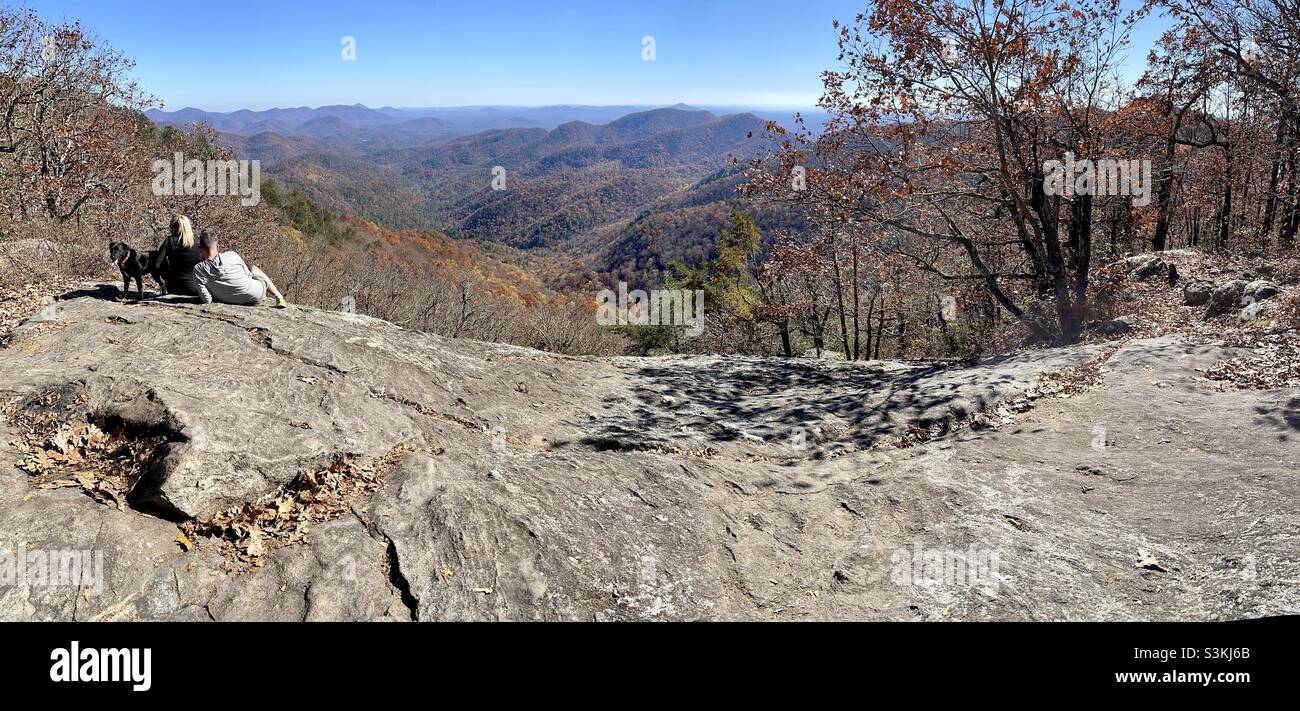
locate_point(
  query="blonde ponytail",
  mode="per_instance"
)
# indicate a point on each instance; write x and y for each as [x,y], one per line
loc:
[182,228]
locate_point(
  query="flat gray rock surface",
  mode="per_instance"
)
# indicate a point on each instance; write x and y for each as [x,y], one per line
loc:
[520,485]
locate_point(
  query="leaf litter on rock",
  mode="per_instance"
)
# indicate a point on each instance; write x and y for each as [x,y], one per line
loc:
[59,446]
[1273,362]
[56,452]
[247,533]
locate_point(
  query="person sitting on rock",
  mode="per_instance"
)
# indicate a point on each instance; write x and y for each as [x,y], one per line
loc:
[223,277]
[176,257]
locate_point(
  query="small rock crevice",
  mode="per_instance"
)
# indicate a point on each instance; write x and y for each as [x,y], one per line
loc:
[262,337]
[393,570]
[428,411]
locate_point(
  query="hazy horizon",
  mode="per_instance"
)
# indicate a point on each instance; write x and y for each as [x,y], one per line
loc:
[453,107]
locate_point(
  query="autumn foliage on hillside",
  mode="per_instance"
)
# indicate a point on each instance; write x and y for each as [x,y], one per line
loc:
[931,191]
[920,220]
[76,172]
[424,280]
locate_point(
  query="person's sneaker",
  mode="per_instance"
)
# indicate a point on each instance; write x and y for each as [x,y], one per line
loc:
[281,303]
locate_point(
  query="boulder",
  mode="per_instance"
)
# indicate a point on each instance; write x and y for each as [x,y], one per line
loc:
[1138,260]
[1261,290]
[1252,311]
[1149,269]
[1116,326]
[1197,293]
[1225,298]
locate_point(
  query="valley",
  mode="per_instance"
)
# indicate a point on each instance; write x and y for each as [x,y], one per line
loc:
[617,199]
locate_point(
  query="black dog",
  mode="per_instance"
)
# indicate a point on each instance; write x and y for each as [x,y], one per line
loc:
[135,265]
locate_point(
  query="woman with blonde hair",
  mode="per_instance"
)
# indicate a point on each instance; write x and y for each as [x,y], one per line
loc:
[177,255]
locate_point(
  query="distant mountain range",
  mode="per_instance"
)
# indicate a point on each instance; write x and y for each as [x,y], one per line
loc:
[456,120]
[605,185]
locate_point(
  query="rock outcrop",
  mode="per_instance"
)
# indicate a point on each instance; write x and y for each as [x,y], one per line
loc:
[305,465]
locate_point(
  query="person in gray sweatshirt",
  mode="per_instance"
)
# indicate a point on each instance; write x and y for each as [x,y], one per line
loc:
[225,278]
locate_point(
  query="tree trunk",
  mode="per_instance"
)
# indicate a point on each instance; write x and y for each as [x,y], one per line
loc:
[1164,189]
[880,326]
[839,300]
[857,304]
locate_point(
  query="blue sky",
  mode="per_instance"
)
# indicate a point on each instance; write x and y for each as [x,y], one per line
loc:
[221,56]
